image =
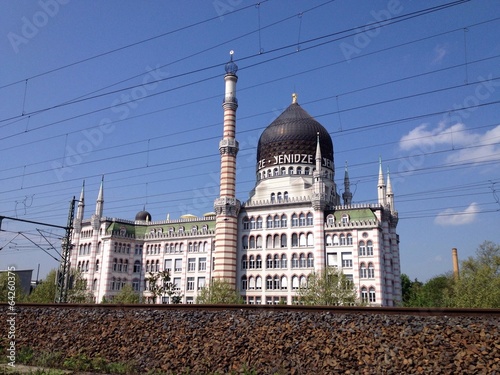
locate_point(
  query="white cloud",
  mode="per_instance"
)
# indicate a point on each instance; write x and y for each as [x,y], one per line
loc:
[440,52]
[468,146]
[450,217]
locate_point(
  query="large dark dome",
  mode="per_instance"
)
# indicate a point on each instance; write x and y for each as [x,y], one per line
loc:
[143,216]
[294,132]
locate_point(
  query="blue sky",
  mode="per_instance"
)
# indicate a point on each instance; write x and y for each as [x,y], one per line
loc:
[133,90]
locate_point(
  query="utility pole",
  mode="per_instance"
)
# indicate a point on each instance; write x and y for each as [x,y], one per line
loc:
[63,274]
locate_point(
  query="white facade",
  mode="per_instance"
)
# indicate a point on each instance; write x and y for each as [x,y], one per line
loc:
[293,223]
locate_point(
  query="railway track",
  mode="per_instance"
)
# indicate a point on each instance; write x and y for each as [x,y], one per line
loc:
[416,311]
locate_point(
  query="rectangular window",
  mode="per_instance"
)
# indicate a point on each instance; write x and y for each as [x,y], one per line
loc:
[165,300]
[202,264]
[192,264]
[168,265]
[190,283]
[201,283]
[178,265]
[189,300]
[346,263]
[177,283]
[258,300]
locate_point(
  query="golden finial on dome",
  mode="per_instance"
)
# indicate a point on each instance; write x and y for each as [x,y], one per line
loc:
[294,98]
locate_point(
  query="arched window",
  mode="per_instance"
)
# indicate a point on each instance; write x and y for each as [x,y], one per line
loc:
[244,283]
[371,271]
[97,265]
[302,261]
[245,242]
[369,248]
[246,223]
[290,170]
[364,294]
[259,242]
[306,170]
[310,239]
[310,260]
[372,296]
[302,240]
[252,262]
[244,262]
[115,264]
[258,282]
[302,220]
[362,248]
[362,271]
[283,221]
[276,221]
[330,219]
[269,241]
[295,240]
[295,282]
[276,241]
[284,282]
[252,242]
[349,238]
[252,223]
[328,240]
[283,171]
[251,283]
[284,261]
[283,240]
[275,172]
[276,282]
[258,262]
[269,282]
[269,261]
[259,223]
[342,240]
[335,240]
[137,266]
[345,219]
[285,196]
[309,219]
[303,281]
[280,197]
[277,262]
[125,266]
[295,261]
[295,220]
[299,170]
[273,197]
[269,221]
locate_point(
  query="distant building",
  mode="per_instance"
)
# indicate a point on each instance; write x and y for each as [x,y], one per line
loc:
[293,223]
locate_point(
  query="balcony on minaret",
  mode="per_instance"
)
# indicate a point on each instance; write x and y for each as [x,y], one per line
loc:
[230,99]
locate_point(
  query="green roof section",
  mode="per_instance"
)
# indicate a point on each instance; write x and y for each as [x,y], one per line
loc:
[141,229]
[361,214]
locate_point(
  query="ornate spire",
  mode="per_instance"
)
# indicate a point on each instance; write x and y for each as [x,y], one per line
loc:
[381,185]
[294,98]
[100,199]
[390,194]
[347,195]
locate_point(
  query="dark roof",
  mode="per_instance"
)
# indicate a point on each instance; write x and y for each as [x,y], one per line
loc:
[294,131]
[143,216]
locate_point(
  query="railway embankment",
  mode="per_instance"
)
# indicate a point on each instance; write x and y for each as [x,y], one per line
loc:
[266,340]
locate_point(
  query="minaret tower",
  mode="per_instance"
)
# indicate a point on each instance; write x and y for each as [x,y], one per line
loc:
[96,217]
[319,203]
[80,209]
[227,206]
[381,185]
[390,194]
[347,195]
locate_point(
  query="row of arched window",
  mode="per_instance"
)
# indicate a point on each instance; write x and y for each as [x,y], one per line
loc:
[278,241]
[368,294]
[283,171]
[339,240]
[365,250]
[366,272]
[277,261]
[83,266]
[275,282]
[86,233]
[153,266]
[278,221]
[119,265]
[122,248]
[85,248]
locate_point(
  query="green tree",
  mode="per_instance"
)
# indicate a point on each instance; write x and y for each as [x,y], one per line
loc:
[328,288]
[219,292]
[78,290]
[479,283]
[127,294]
[45,291]
[436,292]
[11,283]
[160,284]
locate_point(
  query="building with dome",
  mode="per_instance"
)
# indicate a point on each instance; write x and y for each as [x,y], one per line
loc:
[293,223]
